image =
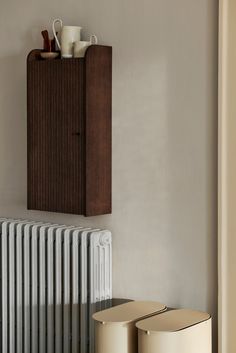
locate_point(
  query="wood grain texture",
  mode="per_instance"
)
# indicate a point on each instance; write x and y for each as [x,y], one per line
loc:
[55,110]
[98,83]
[69,133]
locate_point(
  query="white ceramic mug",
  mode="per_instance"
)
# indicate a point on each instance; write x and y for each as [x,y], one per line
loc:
[69,35]
[80,47]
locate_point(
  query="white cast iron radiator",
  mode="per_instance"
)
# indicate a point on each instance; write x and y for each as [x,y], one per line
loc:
[50,274]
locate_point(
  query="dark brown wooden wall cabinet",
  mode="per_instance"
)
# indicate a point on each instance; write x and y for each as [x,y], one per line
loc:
[69,133]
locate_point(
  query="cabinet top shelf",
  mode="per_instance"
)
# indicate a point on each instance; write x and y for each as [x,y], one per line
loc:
[34,55]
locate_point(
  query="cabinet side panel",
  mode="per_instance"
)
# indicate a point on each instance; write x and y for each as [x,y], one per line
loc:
[55,98]
[98,73]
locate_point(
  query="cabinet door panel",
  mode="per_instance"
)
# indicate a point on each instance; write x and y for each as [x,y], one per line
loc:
[55,95]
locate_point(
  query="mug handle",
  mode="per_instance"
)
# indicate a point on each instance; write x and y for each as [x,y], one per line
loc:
[54,32]
[93,39]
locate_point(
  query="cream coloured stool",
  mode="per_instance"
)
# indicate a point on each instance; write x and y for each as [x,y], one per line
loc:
[175,331]
[115,330]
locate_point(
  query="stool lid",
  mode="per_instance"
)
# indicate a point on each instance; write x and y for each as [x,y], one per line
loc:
[129,312]
[174,320]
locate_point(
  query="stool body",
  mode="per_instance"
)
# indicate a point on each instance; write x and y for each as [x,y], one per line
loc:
[192,337]
[115,330]
[116,338]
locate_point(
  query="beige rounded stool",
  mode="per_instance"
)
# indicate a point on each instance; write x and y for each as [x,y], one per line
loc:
[175,331]
[115,330]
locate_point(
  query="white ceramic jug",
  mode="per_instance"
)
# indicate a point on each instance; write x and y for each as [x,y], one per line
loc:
[81,46]
[69,35]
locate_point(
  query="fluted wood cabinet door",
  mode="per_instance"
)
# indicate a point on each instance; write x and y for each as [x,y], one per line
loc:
[69,133]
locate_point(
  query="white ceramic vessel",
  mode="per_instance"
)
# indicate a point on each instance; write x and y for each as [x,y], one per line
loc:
[69,36]
[80,47]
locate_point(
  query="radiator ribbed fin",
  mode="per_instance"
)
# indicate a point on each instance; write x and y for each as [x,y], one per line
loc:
[50,289]
[58,290]
[4,291]
[12,289]
[75,297]
[19,307]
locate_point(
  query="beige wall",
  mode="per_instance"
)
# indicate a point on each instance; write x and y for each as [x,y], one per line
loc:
[164,137]
[227,177]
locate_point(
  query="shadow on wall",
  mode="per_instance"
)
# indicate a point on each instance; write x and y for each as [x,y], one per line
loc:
[54,326]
